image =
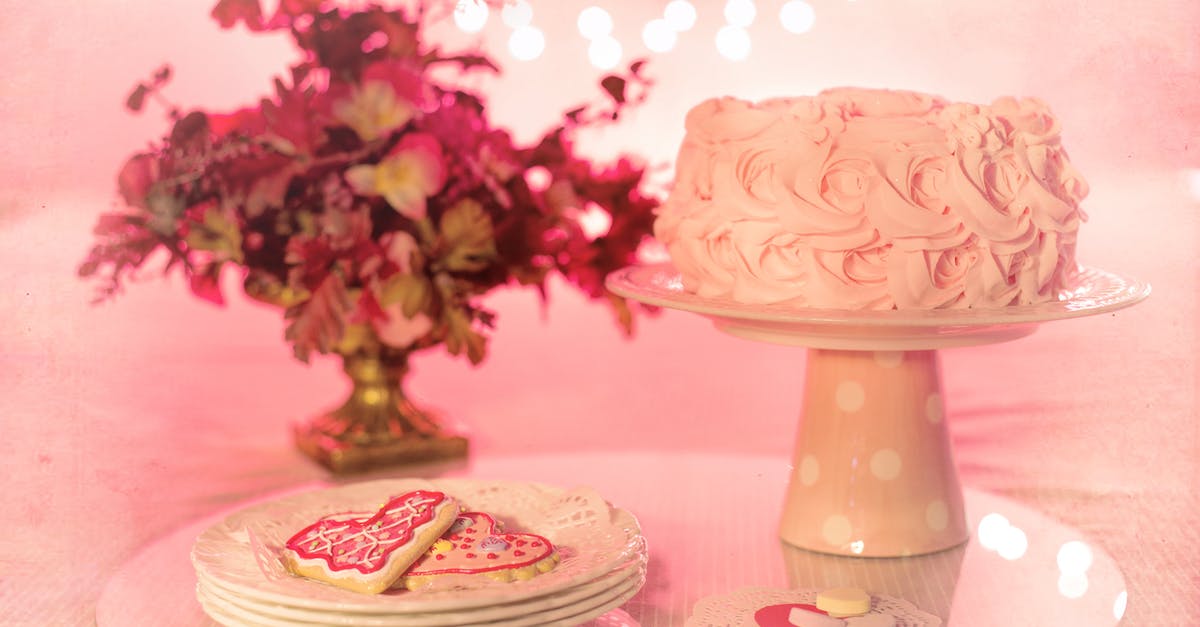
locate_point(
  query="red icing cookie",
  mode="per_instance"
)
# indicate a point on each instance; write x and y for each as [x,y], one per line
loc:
[779,615]
[369,554]
[476,546]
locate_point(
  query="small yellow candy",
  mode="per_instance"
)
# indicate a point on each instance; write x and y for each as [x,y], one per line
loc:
[843,602]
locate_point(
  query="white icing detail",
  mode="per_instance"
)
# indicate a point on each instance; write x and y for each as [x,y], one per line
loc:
[370,543]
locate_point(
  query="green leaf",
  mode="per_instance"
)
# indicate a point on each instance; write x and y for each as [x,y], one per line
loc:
[414,293]
[217,234]
[319,323]
[462,336]
[467,237]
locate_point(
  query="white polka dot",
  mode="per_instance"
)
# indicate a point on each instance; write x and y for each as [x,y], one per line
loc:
[889,359]
[810,470]
[937,516]
[850,396]
[885,464]
[836,531]
[933,408]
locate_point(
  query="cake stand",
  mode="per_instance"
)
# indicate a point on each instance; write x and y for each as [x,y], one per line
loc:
[873,472]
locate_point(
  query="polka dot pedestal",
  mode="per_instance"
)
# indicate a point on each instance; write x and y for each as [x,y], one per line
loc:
[873,473]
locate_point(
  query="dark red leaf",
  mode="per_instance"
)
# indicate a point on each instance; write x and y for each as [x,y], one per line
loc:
[468,62]
[318,323]
[296,8]
[615,86]
[573,114]
[368,309]
[246,121]
[190,131]
[228,13]
[136,177]
[137,97]
[206,284]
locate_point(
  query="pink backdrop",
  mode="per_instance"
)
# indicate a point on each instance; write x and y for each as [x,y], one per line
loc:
[107,410]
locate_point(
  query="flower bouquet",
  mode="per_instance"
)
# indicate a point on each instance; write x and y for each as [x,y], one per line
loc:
[374,205]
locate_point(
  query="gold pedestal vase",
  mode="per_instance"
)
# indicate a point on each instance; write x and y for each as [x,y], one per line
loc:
[378,425]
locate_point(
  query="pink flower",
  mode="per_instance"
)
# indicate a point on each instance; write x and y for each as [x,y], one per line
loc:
[373,110]
[136,178]
[410,173]
[399,248]
[390,94]
[398,330]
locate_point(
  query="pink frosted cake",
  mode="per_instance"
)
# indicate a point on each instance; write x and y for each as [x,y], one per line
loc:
[872,199]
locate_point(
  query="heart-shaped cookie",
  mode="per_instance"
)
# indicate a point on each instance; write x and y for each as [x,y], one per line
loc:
[477,546]
[369,554]
[795,615]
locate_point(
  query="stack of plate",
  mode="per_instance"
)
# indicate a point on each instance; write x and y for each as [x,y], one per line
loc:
[241,579]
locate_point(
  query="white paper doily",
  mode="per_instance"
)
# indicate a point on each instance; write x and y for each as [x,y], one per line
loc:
[737,608]
[242,553]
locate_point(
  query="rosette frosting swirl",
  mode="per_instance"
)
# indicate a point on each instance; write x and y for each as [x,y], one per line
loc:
[873,199]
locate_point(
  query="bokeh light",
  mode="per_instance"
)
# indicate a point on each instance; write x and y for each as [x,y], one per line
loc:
[659,36]
[740,12]
[680,15]
[526,43]
[594,23]
[604,52]
[1119,604]
[1192,180]
[733,42]
[992,528]
[538,178]
[517,14]
[797,16]
[471,15]
[1013,544]
[594,221]
[1074,558]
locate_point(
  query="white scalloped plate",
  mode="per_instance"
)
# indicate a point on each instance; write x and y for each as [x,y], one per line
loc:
[579,612]
[241,554]
[568,598]
[1094,292]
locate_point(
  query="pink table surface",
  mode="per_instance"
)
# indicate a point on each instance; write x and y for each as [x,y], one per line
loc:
[124,422]
[709,520]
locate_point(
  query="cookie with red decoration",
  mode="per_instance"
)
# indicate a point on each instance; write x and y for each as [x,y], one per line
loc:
[475,546]
[369,554]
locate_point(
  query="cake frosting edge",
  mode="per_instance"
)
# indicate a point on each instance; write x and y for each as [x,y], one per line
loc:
[873,199]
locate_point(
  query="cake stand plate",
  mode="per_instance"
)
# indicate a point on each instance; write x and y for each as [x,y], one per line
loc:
[873,471]
[1095,292]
